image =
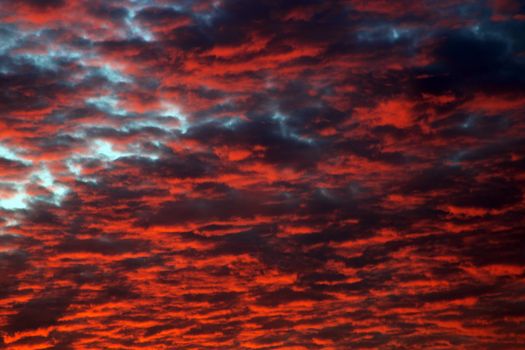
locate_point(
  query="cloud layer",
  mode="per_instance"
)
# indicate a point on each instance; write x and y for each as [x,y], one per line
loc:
[300,174]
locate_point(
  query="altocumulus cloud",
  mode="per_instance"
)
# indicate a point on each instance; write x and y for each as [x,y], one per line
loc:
[232,174]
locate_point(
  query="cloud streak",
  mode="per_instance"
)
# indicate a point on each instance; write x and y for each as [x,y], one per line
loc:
[262,175]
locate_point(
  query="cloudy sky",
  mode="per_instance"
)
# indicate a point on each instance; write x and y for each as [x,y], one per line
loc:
[262,174]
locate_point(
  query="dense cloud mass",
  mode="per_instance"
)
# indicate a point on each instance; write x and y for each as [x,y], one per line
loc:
[260,174]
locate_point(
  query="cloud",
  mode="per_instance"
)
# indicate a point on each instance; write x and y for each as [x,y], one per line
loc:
[257,174]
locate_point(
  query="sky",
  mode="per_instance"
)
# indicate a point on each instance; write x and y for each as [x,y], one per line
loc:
[262,174]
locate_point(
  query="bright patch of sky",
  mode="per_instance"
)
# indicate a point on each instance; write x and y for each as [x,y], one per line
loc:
[104,150]
[8,153]
[73,168]
[172,111]
[286,131]
[17,201]
[76,169]
[113,74]
[108,104]
[42,177]
[48,60]
[135,29]
[9,222]
[230,123]
[45,178]
[137,125]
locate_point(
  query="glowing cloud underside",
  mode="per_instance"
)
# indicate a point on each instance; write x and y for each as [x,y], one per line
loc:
[292,175]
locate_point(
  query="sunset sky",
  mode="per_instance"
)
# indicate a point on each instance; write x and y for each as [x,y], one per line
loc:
[262,174]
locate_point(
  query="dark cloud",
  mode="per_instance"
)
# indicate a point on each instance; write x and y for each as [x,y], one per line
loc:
[41,312]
